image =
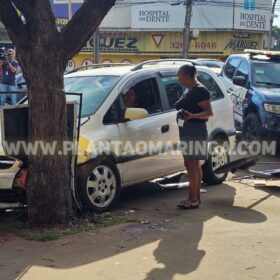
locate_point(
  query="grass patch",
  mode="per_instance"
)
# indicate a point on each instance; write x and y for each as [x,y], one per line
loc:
[87,222]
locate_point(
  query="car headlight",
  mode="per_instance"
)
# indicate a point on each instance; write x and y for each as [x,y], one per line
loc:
[272,108]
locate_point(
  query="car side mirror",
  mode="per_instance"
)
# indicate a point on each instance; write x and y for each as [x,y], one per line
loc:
[132,114]
[240,81]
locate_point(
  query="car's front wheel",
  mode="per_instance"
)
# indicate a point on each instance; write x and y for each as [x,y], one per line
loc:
[98,185]
[252,127]
[218,157]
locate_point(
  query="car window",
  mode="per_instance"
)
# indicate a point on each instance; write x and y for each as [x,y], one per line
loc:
[113,115]
[211,85]
[144,94]
[173,90]
[243,69]
[231,67]
[95,90]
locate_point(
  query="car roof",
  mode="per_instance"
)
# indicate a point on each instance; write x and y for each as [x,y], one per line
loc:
[256,58]
[114,71]
[124,70]
[208,59]
[239,56]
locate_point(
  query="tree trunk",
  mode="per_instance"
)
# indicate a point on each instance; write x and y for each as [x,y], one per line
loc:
[43,53]
[48,184]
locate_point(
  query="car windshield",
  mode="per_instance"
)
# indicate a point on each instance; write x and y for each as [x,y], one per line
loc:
[266,73]
[95,90]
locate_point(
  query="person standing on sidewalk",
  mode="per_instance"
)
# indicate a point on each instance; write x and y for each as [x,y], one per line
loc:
[9,67]
[194,109]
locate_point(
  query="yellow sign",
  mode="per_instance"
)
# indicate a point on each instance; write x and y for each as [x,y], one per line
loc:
[134,47]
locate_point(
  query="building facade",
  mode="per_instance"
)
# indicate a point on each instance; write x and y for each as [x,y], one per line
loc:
[4,38]
[137,30]
[134,47]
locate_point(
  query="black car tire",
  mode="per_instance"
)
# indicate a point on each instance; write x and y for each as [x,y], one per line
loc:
[252,127]
[208,169]
[92,188]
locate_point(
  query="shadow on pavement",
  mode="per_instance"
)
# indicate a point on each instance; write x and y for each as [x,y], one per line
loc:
[177,251]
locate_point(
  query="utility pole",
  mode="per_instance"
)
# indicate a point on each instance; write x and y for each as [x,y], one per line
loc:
[271,25]
[70,13]
[96,47]
[187,29]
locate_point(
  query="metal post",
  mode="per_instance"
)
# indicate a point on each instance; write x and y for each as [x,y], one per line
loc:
[187,29]
[96,46]
[70,9]
[271,25]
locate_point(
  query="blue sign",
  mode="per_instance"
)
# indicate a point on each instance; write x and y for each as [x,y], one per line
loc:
[60,9]
[250,5]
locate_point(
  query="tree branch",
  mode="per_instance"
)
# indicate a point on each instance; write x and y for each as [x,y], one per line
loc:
[83,24]
[13,23]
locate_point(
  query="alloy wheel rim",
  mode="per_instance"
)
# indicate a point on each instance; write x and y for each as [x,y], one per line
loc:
[101,186]
[219,158]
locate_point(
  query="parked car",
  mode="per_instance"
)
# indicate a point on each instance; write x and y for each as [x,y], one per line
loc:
[215,64]
[252,81]
[211,63]
[106,119]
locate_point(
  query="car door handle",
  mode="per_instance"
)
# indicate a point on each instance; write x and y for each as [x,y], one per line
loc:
[165,128]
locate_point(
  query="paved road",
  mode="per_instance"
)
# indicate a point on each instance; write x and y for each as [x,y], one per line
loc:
[234,235]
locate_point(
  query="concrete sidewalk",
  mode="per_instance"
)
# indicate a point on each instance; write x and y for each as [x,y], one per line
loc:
[234,235]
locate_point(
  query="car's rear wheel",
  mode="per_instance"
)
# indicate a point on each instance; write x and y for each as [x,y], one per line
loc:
[99,185]
[218,157]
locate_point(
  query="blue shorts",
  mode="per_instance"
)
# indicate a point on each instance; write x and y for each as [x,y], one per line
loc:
[4,97]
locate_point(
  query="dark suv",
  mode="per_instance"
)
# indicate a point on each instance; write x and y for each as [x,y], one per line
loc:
[253,82]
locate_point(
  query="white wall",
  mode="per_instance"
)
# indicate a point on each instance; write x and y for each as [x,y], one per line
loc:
[118,17]
[255,17]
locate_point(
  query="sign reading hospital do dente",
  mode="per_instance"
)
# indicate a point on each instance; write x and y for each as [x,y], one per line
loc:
[252,15]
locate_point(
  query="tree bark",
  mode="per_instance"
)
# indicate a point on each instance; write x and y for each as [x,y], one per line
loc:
[48,184]
[43,53]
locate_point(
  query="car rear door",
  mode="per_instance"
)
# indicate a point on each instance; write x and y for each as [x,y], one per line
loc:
[221,104]
[172,91]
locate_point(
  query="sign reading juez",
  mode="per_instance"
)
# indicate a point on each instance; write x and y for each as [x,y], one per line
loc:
[253,15]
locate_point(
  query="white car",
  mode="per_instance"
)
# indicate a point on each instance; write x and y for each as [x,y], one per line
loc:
[111,133]
[106,118]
